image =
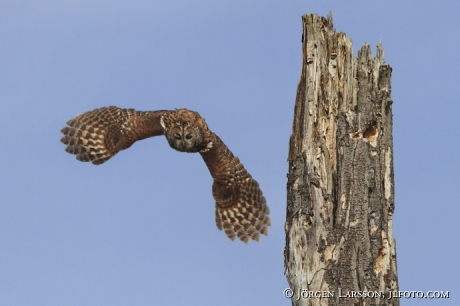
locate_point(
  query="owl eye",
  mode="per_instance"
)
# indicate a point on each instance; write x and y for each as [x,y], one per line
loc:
[189,136]
[177,136]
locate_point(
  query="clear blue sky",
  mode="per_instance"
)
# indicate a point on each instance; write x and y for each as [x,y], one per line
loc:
[140,230]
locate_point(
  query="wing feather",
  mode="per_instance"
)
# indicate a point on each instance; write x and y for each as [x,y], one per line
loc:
[96,136]
[241,208]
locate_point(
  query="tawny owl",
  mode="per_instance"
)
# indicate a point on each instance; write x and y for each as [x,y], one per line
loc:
[98,135]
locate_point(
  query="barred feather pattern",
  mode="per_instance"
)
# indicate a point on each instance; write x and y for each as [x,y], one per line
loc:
[96,136]
[241,209]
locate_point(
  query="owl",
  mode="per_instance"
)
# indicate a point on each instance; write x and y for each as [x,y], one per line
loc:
[97,135]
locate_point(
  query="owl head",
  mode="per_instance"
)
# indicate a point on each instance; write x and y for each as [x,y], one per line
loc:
[185,137]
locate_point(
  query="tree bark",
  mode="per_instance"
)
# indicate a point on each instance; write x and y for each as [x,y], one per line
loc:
[340,186]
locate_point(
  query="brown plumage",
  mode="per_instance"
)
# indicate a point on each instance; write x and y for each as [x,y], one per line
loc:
[98,135]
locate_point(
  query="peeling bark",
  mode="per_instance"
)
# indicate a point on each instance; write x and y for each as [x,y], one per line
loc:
[340,183]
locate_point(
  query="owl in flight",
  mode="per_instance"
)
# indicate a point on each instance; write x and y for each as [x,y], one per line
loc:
[98,135]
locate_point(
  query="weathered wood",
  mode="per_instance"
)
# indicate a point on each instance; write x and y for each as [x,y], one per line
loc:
[340,183]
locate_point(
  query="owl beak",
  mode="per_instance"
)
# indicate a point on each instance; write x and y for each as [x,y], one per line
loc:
[182,145]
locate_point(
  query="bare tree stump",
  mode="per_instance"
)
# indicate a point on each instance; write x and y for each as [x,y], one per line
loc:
[340,187]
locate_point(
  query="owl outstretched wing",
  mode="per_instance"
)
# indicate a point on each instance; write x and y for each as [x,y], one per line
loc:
[241,208]
[97,135]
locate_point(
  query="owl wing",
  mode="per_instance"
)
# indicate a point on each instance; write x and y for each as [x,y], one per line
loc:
[99,134]
[241,208]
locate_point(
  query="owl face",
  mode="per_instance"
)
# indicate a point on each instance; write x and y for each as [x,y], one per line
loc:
[185,137]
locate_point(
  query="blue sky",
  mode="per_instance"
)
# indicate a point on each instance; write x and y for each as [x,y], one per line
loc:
[140,230]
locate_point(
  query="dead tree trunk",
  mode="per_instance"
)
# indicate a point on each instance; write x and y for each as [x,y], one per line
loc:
[339,242]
